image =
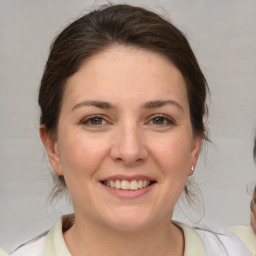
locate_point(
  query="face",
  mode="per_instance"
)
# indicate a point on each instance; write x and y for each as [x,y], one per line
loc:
[124,141]
[253,216]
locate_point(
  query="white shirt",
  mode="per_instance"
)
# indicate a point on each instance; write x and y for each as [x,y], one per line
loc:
[197,243]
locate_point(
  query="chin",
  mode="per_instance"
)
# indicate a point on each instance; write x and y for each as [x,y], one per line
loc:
[129,226]
[130,221]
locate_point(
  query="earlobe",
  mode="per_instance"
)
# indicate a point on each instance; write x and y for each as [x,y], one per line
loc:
[195,153]
[191,171]
[50,145]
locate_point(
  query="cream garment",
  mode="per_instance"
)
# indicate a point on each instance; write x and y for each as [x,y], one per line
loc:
[247,235]
[3,253]
[197,243]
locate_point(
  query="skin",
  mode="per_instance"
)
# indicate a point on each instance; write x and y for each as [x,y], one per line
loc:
[130,137]
[253,221]
[253,215]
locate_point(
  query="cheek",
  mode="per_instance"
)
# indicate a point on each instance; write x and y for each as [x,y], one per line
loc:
[81,155]
[253,221]
[173,158]
[173,154]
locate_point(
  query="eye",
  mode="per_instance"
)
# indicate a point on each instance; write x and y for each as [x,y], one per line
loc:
[161,120]
[94,121]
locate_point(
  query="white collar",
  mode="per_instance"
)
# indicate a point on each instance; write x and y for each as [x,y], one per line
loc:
[56,246]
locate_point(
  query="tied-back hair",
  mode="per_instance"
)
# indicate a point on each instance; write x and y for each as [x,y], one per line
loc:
[110,26]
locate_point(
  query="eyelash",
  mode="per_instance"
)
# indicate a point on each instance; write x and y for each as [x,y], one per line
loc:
[87,120]
[166,120]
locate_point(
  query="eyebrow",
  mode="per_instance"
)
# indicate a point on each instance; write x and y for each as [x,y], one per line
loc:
[98,104]
[147,105]
[161,103]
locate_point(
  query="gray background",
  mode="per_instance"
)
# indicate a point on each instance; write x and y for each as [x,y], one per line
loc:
[223,36]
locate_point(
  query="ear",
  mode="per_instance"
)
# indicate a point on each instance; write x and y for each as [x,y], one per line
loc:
[195,152]
[51,147]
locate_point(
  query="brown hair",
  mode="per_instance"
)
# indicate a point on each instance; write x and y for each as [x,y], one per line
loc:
[253,202]
[118,25]
[254,150]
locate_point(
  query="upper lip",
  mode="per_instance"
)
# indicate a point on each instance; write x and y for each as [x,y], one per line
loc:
[128,178]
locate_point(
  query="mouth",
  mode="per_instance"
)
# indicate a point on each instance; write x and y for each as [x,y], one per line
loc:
[131,185]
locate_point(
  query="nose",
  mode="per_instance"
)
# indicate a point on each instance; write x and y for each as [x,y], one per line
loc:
[129,146]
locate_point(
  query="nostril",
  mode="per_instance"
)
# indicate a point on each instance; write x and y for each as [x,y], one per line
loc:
[128,149]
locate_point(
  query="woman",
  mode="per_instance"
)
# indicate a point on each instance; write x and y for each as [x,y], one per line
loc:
[253,211]
[122,104]
[248,234]
[253,203]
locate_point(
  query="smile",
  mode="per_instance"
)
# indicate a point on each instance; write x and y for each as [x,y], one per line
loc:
[128,185]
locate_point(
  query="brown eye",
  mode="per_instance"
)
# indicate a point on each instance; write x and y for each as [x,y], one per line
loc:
[94,121]
[161,120]
[158,120]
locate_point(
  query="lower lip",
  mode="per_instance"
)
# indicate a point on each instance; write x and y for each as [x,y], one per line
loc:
[129,194]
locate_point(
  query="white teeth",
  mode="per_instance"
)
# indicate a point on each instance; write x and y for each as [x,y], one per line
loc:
[127,185]
[118,184]
[112,184]
[139,183]
[133,185]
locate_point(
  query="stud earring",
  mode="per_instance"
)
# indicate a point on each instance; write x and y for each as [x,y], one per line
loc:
[192,168]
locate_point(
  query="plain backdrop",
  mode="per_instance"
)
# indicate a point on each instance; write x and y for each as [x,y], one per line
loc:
[223,37]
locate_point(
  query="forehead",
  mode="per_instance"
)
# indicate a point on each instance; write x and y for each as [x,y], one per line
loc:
[124,72]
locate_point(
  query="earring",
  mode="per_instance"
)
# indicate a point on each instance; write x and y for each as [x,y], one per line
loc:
[192,168]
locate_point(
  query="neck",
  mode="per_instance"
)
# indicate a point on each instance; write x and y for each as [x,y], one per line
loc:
[94,239]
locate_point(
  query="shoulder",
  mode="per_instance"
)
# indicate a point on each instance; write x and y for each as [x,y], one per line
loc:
[50,243]
[247,235]
[222,242]
[208,242]
[3,253]
[35,247]
[225,241]
[193,243]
